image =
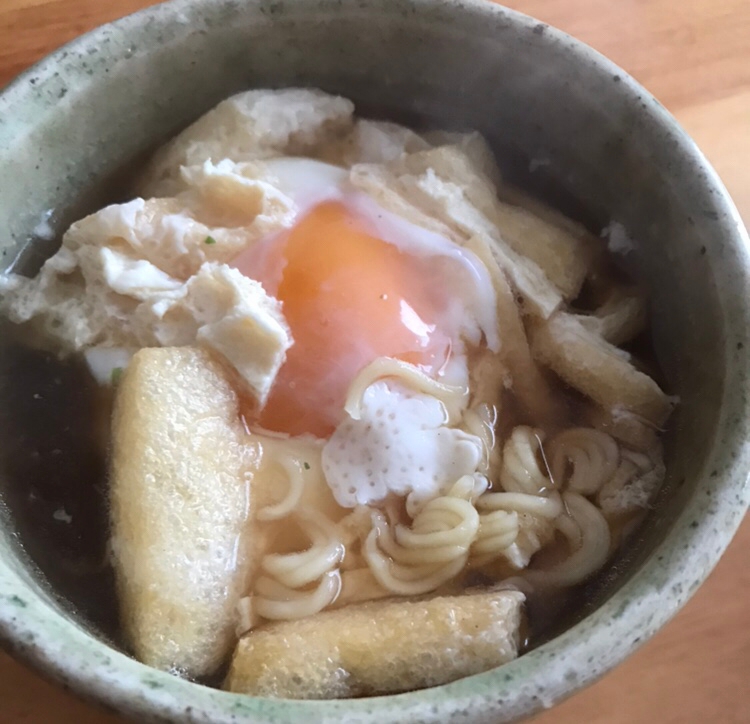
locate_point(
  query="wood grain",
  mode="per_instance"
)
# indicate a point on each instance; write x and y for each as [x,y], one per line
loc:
[695,57]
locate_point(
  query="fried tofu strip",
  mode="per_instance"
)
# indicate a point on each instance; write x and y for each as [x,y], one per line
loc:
[474,147]
[564,257]
[379,647]
[620,319]
[598,369]
[526,380]
[373,142]
[514,196]
[252,125]
[181,467]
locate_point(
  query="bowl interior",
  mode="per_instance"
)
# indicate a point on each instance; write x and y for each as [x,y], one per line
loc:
[563,122]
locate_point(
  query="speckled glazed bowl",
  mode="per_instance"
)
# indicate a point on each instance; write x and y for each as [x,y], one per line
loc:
[564,122]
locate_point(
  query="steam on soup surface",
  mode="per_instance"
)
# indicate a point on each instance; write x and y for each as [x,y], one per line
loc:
[363,431]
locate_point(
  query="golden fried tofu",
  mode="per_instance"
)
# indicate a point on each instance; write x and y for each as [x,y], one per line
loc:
[598,369]
[181,469]
[379,647]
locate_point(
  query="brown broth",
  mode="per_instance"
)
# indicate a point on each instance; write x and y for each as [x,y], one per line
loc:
[54,482]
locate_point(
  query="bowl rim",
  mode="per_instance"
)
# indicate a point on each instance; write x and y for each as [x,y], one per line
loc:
[35,631]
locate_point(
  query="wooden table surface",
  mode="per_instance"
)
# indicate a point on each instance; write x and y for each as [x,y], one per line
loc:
[694,55]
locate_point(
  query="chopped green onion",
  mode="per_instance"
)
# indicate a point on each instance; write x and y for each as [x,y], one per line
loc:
[307,466]
[210,240]
[116,374]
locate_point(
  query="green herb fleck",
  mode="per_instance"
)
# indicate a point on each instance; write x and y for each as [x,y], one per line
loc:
[116,374]
[210,240]
[307,466]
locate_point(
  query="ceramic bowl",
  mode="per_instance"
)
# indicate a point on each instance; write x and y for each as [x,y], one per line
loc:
[565,123]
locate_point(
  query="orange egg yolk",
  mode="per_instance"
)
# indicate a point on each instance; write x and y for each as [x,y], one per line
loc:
[348,297]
